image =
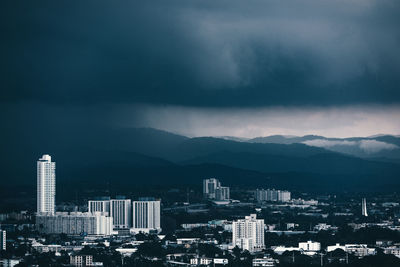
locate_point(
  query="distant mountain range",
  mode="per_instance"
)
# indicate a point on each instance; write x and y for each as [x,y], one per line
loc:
[130,157]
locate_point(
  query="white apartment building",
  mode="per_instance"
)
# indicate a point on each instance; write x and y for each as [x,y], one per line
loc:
[310,248]
[272,195]
[394,250]
[201,261]
[212,189]
[83,260]
[146,215]
[75,223]
[284,196]
[101,205]
[209,187]
[222,193]
[265,262]
[248,233]
[120,209]
[359,250]
[46,185]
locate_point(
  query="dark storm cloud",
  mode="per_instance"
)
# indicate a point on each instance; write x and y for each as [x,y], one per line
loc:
[201,53]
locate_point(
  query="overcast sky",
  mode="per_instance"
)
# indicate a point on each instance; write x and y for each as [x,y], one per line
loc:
[234,68]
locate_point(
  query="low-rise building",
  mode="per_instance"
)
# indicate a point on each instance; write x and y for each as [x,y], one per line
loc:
[310,247]
[394,250]
[201,261]
[282,249]
[83,260]
[359,250]
[324,227]
[9,262]
[265,262]
[208,261]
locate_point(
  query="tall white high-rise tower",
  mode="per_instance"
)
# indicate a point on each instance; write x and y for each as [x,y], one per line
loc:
[46,185]
[364,207]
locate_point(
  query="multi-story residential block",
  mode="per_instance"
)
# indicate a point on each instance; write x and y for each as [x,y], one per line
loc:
[146,215]
[209,187]
[120,209]
[222,193]
[83,260]
[99,205]
[75,223]
[272,195]
[248,233]
[212,189]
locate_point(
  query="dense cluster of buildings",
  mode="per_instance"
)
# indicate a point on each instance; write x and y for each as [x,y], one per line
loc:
[120,209]
[104,216]
[117,220]
[262,195]
[142,215]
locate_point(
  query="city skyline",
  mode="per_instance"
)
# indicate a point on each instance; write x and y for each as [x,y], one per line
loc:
[200,133]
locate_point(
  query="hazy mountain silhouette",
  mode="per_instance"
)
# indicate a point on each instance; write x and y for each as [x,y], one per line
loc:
[130,157]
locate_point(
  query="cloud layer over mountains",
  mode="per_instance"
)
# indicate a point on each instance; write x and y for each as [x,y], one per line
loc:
[368,146]
[200,67]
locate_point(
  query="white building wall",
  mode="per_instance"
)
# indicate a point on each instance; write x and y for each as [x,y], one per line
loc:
[75,223]
[146,215]
[46,185]
[248,233]
[121,211]
[310,246]
[209,187]
[272,195]
[222,193]
[99,206]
